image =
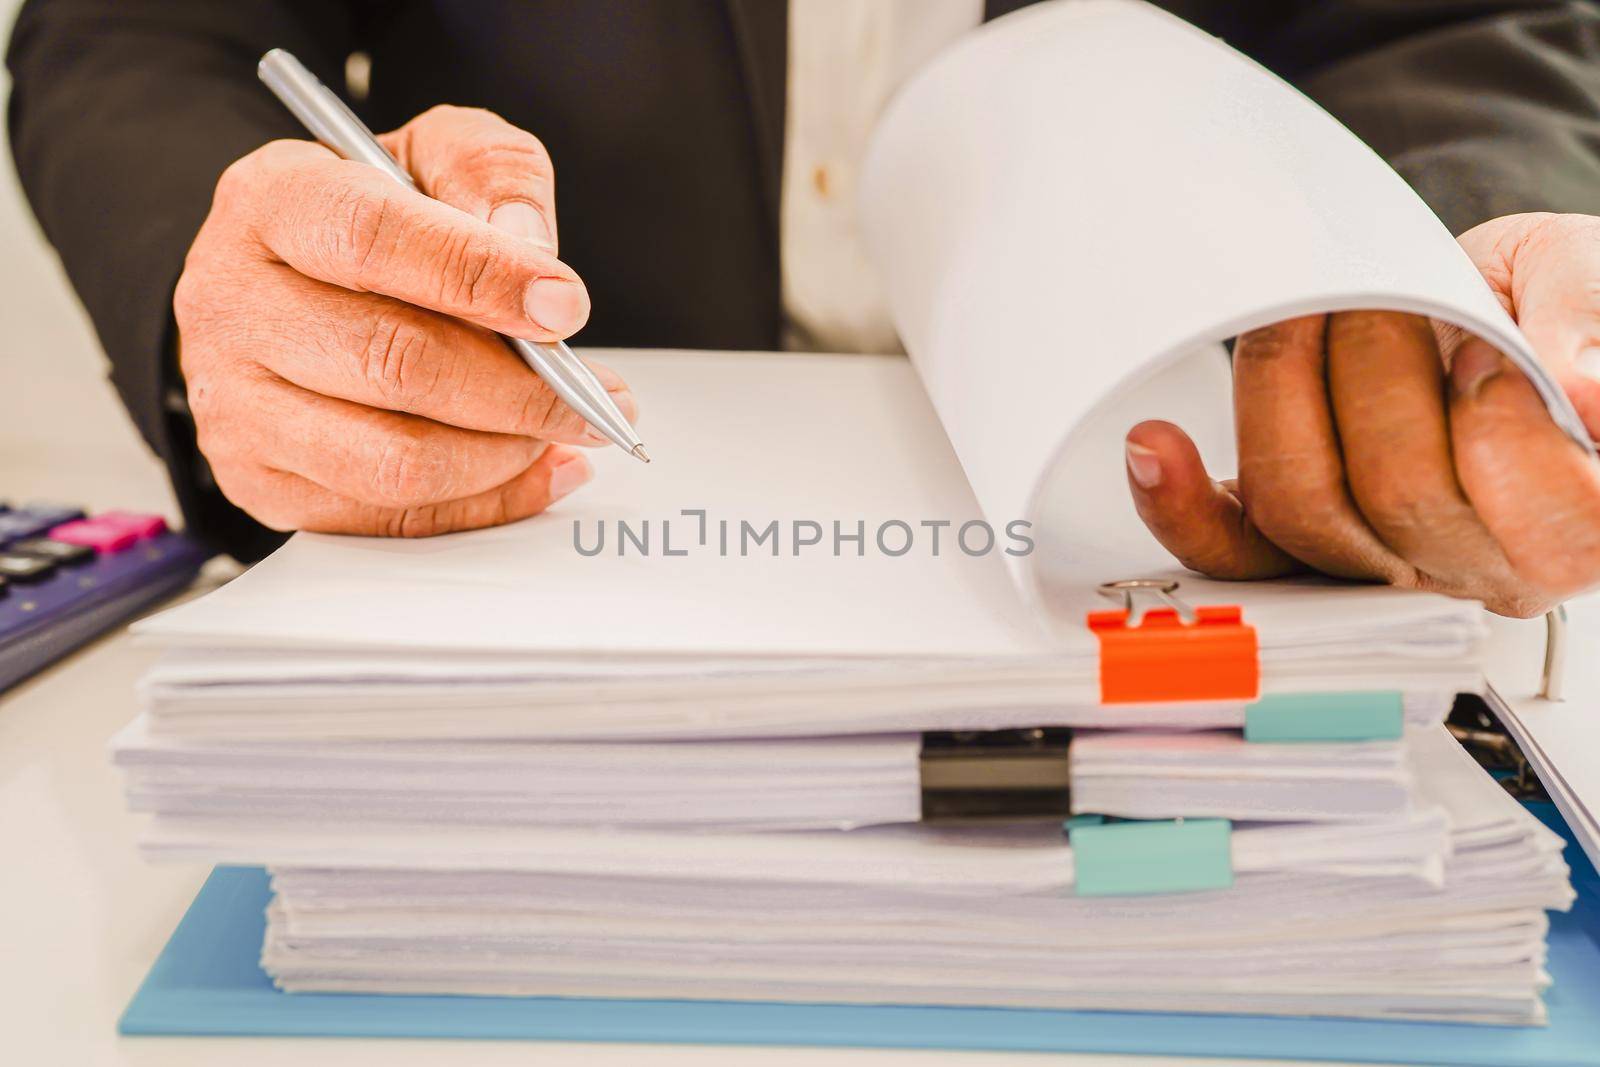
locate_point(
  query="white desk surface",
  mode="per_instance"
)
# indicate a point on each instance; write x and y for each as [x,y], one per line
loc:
[81,916]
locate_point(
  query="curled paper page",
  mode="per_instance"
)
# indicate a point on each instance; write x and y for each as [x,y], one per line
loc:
[1074,205]
[1071,208]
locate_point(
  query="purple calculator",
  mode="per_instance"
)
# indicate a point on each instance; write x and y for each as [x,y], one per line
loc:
[66,576]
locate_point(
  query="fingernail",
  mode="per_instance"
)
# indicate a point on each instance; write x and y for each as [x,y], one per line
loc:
[555,305]
[569,475]
[1143,465]
[1475,364]
[1588,363]
[525,221]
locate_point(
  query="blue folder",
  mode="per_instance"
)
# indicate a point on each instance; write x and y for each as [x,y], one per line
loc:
[207,981]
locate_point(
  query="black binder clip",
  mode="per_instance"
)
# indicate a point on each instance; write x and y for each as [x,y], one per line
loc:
[996,774]
[1474,725]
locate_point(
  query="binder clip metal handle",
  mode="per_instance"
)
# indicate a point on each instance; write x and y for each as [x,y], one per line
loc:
[1552,683]
[1125,593]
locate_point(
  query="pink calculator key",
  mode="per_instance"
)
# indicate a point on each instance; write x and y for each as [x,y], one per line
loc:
[102,537]
[141,526]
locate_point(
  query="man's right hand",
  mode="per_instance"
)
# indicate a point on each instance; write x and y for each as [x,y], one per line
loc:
[334,332]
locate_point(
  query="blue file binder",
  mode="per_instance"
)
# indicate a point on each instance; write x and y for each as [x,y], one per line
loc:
[207,982]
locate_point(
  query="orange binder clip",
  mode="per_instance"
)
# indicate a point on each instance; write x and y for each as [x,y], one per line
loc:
[1173,652]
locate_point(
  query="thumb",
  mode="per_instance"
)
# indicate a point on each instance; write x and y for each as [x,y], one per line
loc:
[1546,269]
[1567,341]
[1198,520]
[476,161]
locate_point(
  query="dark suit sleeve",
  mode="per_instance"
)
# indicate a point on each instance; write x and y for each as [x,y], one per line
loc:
[1487,109]
[122,116]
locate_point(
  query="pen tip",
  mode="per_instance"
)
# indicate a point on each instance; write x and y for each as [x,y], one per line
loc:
[640,454]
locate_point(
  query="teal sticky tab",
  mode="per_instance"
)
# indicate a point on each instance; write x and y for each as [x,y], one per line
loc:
[1075,821]
[1362,716]
[1124,858]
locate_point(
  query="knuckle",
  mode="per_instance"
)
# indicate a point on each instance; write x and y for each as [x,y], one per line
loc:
[1207,559]
[1375,330]
[362,233]
[471,274]
[1288,338]
[202,400]
[245,483]
[512,152]
[266,507]
[493,174]
[243,489]
[484,129]
[242,182]
[486,159]
[1398,506]
[429,520]
[541,410]
[448,115]
[410,470]
[226,415]
[239,179]
[1284,518]
[205,298]
[396,360]
[500,509]
[1266,343]
[212,442]
[187,297]
[423,520]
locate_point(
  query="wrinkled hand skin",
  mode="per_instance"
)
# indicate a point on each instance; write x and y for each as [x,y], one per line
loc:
[1374,445]
[334,334]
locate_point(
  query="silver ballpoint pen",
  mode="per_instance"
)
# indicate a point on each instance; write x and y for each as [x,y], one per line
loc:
[337,127]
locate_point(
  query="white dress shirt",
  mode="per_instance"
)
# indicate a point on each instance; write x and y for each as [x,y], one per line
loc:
[846,58]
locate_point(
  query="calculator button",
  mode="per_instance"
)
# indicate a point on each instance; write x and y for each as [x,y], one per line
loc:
[96,535]
[54,514]
[141,526]
[31,522]
[61,552]
[25,568]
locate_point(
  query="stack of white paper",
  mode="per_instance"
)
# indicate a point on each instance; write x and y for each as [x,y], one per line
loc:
[663,740]
[497,677]
[1436,915]
[472,771]
[785,783]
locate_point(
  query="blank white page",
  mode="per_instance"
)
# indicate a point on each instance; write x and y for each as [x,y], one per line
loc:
[1071,207]
[745,436]
[755,437]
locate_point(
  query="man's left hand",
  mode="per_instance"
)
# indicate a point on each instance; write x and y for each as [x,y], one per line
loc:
[1374,446]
